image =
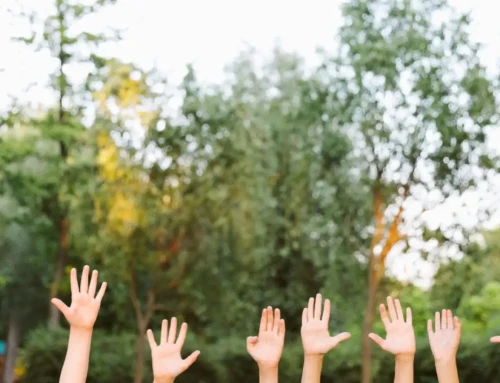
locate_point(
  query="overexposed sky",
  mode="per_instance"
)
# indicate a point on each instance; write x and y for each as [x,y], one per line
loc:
[169,34]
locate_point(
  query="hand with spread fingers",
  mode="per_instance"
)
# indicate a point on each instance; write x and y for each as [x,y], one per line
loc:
[85,304]
[316,339]
[166,356]
[400,339]
[267,347]
[444,341]
[81,315]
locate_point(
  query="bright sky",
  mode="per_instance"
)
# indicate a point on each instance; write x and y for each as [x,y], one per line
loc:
[169,34]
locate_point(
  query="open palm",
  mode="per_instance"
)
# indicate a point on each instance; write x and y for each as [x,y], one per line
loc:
[316,339]
[267,347]
[445,338]
[166,356]
[400,337]
[85,304]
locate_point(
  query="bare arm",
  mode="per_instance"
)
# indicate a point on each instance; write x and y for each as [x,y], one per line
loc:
[267,347]
[316,339]
[81,316]
[400,339]
[444,341]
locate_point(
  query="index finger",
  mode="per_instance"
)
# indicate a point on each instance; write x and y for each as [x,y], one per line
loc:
[74,282]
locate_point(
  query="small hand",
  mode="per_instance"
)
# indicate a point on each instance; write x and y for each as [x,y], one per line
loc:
[445,339]
[166,357]
[84,308]
[316,339]
[267,347]
[400,339]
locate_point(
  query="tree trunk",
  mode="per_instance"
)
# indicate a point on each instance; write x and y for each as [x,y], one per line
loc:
[13,338]
[62,260]
[374,278]
[139,357]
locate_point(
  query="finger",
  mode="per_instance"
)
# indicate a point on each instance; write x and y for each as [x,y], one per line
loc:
[182,334]
[409,317]
[457,323]
[335,340]
[282,328]
[437,321]
[317,306]
[377,339]
[495,339]
[429,327]
[277,317]
[190,360]
[392,309]
[74,282]
[101,292]
[172,333]
[151,339]
[383,315]
[251,342]
[326,311]
[270,319]
[84,284]
[449,319]
[61,306]
[93,283]
[263,321]
[310,309]
[444,324]
[304,316]
[399,310]
[164,331]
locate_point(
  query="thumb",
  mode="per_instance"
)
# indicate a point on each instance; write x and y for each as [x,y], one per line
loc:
[251,342]
[335,340]
[191,359]
[377,339]
[61,306]
[495,339]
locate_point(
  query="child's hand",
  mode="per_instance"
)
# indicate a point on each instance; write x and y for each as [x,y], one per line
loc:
[316,339]
[166,356]
[267,347]
[84,308]
[444,340]
[400,339]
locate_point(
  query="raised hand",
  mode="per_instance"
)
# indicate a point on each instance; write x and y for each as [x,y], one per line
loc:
[85,304]
[445,338]
[267,347]
[166,356]
[316,339]
[400,339]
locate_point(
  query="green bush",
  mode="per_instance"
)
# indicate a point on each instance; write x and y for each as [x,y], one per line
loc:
[113,356]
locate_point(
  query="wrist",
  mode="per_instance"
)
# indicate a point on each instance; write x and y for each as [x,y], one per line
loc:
[313,357]
[405,358]
[81,330]
[445,360]
[268,371]
[163,380]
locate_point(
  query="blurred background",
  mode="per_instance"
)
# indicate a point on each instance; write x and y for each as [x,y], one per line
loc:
[211,158]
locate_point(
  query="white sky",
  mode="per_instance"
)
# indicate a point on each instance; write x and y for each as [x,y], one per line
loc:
[210,33]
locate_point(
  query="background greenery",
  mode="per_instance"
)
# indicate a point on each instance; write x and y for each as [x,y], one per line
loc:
[209,202]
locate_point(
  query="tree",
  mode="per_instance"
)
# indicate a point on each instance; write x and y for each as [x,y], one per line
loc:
[417,103]
[65,43]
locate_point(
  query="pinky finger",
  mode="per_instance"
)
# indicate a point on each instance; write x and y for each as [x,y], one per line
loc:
[101,292]
[151,339]
[429,326]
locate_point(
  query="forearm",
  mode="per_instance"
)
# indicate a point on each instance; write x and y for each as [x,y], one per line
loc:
[311,373]
[404,369]
[447,371]
[268,374]
[76,364]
